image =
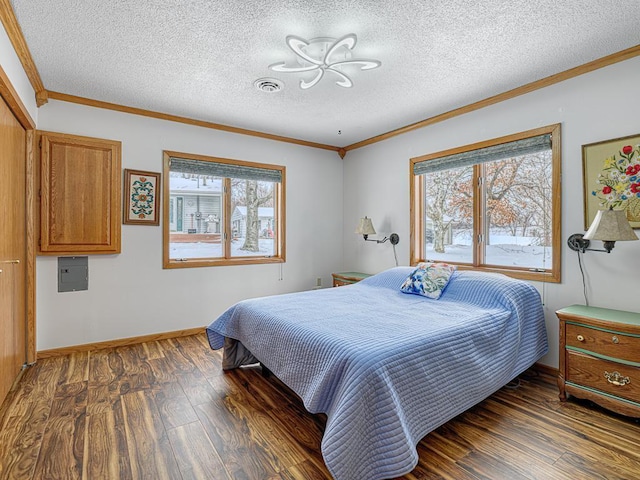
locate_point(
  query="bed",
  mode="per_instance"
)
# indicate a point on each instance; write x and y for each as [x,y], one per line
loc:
[387,367]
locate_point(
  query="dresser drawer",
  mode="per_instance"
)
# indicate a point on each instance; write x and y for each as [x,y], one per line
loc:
[592,372]
[615,345]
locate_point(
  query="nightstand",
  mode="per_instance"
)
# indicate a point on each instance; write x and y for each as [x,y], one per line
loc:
[600,357]
[347,278]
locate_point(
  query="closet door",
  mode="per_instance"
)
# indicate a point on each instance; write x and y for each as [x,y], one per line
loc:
[12,248]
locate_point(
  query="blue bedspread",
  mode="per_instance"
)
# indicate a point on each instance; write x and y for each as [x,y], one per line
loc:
[387,367]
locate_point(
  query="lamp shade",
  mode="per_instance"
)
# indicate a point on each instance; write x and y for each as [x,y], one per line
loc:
[610,226]
[365,227]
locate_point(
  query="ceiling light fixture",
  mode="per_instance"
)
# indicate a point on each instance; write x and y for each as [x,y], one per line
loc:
[322,55]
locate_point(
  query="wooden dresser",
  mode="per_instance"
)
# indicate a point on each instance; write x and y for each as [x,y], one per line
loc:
[347,278]
[600,357]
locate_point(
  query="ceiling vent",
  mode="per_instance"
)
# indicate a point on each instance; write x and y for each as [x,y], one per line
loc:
[269,85]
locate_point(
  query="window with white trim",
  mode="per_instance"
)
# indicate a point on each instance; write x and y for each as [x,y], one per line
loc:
[493,205]
[220,211]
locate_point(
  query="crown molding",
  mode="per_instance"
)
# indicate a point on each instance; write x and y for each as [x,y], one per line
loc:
[189,121]
[516,92]
[14,32]
[11,97]
[8,18]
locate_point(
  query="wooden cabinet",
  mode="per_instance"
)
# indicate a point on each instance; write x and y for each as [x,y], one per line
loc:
[600,357]
[347,278]
[80,194]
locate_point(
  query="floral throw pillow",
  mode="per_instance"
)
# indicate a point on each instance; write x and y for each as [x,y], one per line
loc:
[428,279]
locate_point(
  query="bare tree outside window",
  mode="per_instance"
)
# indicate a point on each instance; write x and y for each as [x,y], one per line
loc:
[253,194]
[222,212]
[516,200]
[448,206]
[490,210]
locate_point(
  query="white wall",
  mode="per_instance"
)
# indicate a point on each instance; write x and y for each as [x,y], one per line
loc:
[13,68]
[130,294]
[600,105]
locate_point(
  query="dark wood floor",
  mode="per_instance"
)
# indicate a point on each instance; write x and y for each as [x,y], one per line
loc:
[165,410]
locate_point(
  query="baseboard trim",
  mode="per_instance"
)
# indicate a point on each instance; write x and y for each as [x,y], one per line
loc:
[546,369]
[122,342]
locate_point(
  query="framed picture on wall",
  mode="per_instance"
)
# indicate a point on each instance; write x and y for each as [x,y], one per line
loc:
[141,199]
[611,171]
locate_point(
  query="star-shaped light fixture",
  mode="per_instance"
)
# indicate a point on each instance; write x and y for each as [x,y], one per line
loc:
[322,55]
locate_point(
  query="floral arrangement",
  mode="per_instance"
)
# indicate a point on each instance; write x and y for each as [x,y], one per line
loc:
[620,182]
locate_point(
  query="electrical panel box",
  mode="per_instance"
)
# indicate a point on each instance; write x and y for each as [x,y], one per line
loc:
[73,274]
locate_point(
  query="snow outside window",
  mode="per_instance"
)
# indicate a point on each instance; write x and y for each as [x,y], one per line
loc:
[222,211]
[492,206]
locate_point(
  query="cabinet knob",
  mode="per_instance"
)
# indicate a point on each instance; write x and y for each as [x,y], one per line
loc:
[615,340]
[580,338]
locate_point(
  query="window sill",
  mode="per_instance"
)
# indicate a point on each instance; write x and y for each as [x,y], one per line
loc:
[546,276]
[199,262]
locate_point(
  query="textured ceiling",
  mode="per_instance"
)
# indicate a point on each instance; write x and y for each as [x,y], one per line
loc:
[200,58]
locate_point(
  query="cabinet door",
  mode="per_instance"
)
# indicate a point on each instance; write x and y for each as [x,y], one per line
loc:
[80,194]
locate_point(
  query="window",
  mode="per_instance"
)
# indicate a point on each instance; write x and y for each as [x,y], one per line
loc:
[219,211]
[491,206]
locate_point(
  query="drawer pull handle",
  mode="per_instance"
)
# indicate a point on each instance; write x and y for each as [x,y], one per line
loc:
[616,379]
[580,338]
[615,340]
